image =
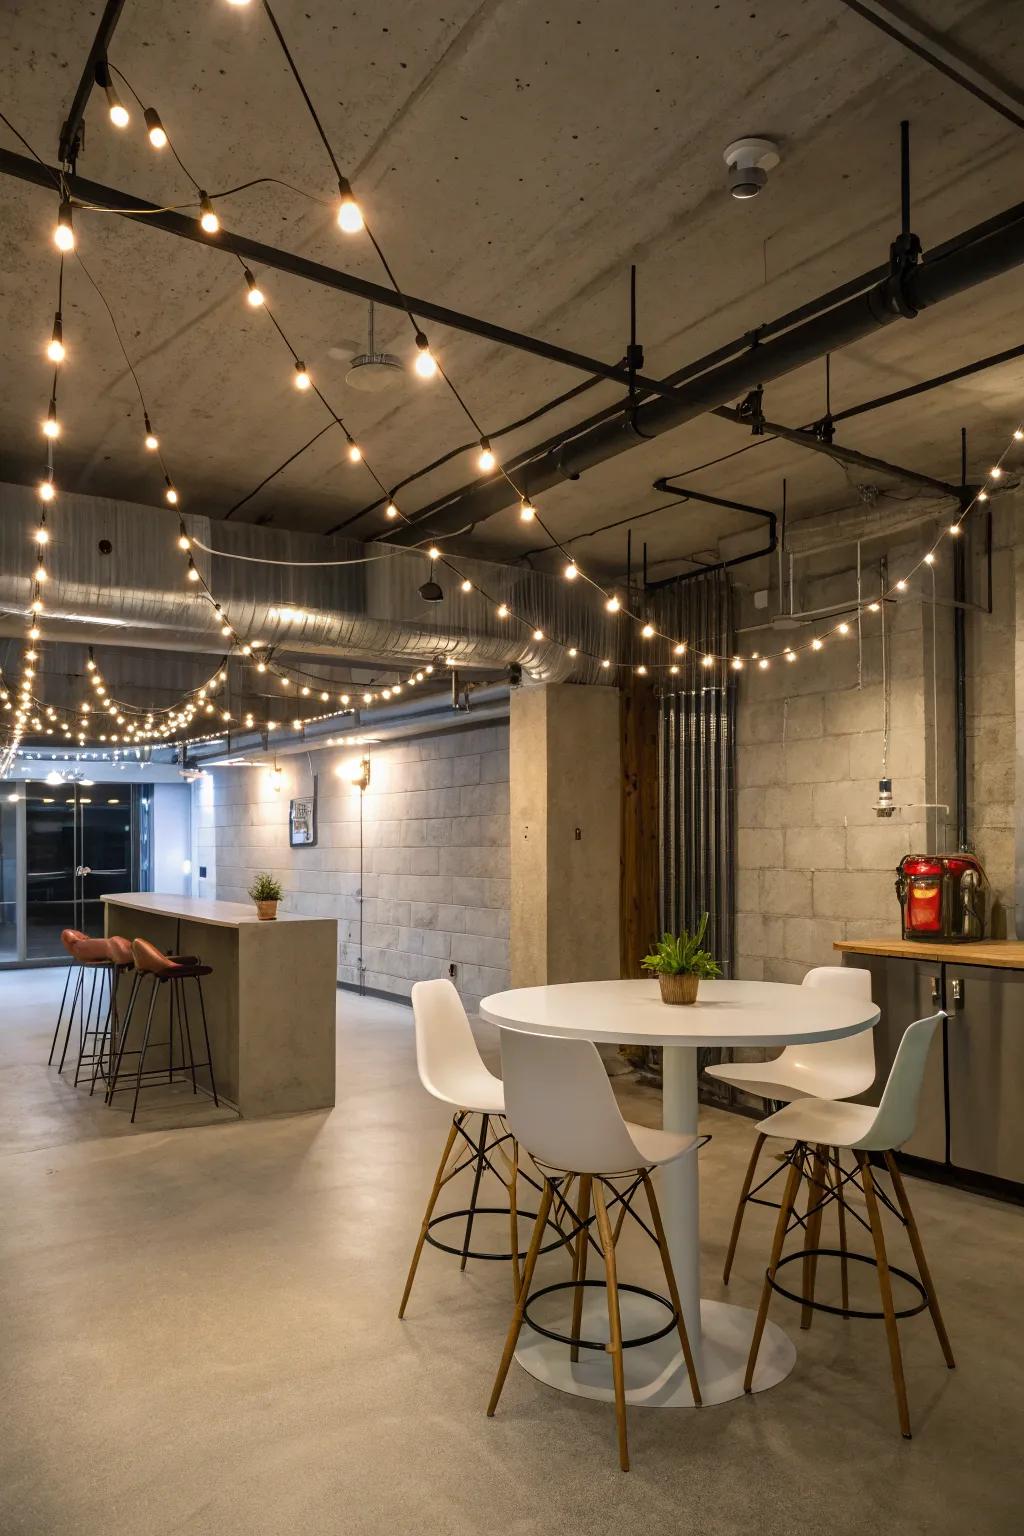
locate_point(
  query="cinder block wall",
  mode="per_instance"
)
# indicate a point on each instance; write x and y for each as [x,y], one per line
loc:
[814,862]
[435,882]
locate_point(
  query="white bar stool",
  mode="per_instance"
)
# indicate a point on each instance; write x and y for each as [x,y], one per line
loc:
[561,1107]
[814,1125]
[831,1069]
[452,1069]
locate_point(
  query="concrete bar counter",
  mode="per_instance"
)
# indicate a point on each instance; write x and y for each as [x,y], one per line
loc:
[270,1002]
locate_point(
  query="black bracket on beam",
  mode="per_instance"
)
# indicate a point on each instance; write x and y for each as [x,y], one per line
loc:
[71,134]
[731,506]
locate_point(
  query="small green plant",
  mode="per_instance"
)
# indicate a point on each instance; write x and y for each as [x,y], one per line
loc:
[265,888]
[681,955]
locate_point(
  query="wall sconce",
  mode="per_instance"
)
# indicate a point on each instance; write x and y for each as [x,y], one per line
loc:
[359,775]
[276,778]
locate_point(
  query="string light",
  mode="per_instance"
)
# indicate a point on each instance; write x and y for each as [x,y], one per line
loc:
[355,453]
[707,661]
[64,234]
[467,585]
[527,510]
[901,586]
[51,426]
[255,294]
[302,378]
[208,220]
[151,440]
[433,553]
[538,634]
[193,574]
[116,108]
[763,663]
[647,631]
[426,363]
[571,571]
[391,510]
[170,494]
[613,605]
[47,489]
[486,461]
[157,132]
[502,610]
[55,346]
[350,216]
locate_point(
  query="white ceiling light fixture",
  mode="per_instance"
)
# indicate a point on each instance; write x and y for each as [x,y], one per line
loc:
[749,161]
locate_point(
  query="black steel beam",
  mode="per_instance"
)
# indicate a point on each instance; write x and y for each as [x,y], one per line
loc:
[71,133]
[804,439]
[254,253]
[685,494]
[959,265]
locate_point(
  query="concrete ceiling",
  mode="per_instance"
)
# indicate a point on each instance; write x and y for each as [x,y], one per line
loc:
[514,158]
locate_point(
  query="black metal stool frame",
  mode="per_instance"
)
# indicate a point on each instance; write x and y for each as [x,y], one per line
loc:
[177,1011]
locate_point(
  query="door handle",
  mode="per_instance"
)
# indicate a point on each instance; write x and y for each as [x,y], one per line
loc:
[83,869]
[88,871]
[956,991]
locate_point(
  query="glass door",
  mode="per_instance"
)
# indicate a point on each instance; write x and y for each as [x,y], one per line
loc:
[81,843]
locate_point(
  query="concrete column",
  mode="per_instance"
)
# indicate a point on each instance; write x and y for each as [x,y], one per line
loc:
[564,773]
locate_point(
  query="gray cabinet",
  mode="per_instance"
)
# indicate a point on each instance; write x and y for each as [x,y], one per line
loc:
[985,1062]
[906,990]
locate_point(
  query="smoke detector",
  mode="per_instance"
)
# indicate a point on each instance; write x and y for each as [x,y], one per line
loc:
[749,161]
[372,371]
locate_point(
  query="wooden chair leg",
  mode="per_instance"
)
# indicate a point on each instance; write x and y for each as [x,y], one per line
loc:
[579,1263]
[785,1211]
[673,1289]
[614,1321]
[515,1327]
[885,1287]
[919,1258]
[816,1192]
[741,1206]
[844,1266]
[438,1181]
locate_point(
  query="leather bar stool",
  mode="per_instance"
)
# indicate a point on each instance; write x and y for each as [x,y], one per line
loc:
[114,957]
[95,956]
[68,937]
[172,972]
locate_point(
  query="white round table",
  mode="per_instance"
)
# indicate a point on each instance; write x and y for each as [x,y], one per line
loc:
[726,1013]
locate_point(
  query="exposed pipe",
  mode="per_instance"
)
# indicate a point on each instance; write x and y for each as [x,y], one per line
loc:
[955,268]
[960,668]
[719,565]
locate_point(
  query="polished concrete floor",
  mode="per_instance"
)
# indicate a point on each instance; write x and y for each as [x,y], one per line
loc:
[198,1335]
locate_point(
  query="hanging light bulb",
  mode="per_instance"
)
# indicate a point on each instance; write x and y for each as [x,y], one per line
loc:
[901,586]
[208,220]
[119,115]
[763,663]
[996,472]
[47,489]
[170,494]
[983,495]
[737,663]
[433,553]
[184,542]
[527,510]
[302,379]
[55,345]
[613,605]
[816,644]
[647,631]
[157,133]
[391,510]
[151,440]
[51,426]
[64,234]
[502,610]
[486,461]
[606,663]
[707,661]
[355,453]
[426,363]
[193,574]
[255,294]
[680,649]
[538,634]
[350,217]
[571,571]
[467,585]
[954,529]
[40,572]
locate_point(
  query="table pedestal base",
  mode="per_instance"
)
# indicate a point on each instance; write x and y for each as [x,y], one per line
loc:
[655,1373]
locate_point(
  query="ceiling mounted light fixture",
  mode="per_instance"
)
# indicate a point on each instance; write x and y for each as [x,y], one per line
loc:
[373,371]
[749,161]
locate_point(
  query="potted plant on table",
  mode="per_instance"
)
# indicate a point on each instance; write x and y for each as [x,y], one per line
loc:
[680,963]
[266,892]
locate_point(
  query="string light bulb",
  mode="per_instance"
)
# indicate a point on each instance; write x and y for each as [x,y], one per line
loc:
[736,664]
[613,605]
[647,631]
[502,610]
[151,440]
[995,473]
[155,128]
[816,644]
[355,453]
[64,234]
[929,558]
[302,378]
[901,585]
[193,574]
[527,510]
[954,529]
[426,363]
[55,346]
[983,495]
[467,585]
[184,542]
[486,462]
[255,294]
[208,220]
[538,634]
[47,489]
[350,215]
[707,661]
[170,494]
[571,571]
[40,572]
[763,663]
[51,426]
[391,510]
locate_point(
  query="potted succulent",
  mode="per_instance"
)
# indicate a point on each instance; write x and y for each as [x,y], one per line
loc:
[266,892]
[680,964]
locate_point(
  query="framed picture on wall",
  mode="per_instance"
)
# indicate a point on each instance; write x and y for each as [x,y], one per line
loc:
[302,820]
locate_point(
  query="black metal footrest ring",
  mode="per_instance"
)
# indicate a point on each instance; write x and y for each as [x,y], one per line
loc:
[527,1218]
[572,1285]
[856,1258]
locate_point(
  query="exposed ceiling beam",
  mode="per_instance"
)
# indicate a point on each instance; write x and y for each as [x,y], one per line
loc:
[253,251]
[71,133]
[903,29]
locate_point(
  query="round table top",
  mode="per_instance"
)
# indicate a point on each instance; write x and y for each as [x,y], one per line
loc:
[725,1013]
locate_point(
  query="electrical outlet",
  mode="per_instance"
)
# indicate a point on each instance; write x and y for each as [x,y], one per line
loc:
[453,971]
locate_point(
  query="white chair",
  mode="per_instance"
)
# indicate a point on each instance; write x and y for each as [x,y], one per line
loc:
[814,1125]
[452,1069]
[561,1108]
[829,1069]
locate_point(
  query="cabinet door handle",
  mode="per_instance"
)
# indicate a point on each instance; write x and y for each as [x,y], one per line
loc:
[956,991]
[936,991]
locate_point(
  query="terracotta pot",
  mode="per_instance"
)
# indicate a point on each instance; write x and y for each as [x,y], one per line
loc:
[678,989]
[266,911]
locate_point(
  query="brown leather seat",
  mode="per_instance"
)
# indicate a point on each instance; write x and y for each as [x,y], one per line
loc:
[150,961]
[91,951]
[120,950]
[71,936]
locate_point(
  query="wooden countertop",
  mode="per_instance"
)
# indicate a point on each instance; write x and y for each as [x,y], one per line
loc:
[1007,954]
[199,909]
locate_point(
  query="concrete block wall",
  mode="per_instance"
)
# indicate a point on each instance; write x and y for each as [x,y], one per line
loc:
[814,862]
[435,885]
